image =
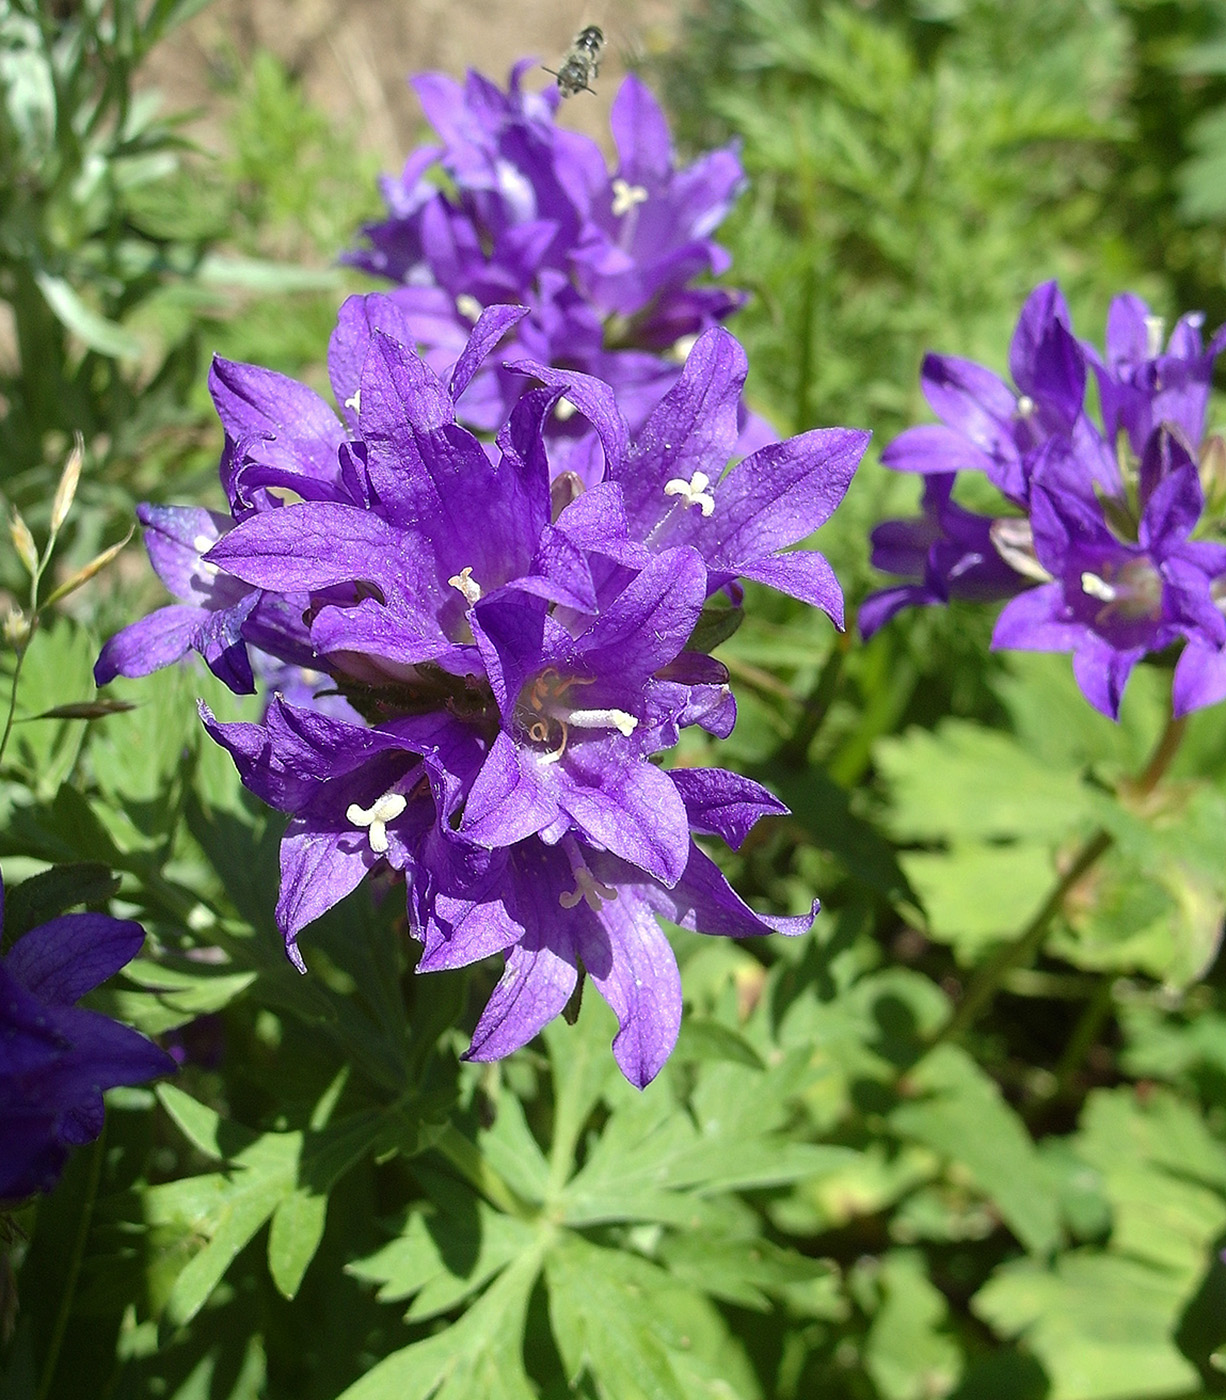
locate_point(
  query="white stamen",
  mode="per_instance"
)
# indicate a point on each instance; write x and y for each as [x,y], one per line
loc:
[1025,406]
[587,888]
[1094,587]
[354,401]
[469,307]
[564,410]
[464,583]
[600,719]
[693,492]
[1155,329]
[626,196]
[375,818]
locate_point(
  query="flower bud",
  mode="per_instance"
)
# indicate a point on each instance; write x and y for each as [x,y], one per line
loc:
[1213,474]
[67,488]
[23,542]
[16,628]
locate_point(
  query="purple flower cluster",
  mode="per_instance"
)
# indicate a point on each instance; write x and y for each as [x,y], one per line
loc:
[55,1057]
[1102,551]
[504,647]
[603,260]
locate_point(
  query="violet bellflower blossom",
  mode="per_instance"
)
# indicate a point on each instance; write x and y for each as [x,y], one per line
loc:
[605,261]
[1105,545]
[516,645]
[56,1058]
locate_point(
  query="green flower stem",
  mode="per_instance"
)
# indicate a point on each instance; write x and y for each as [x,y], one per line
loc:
[468,1160]
[8,723]
[1021,950]
[73,1271]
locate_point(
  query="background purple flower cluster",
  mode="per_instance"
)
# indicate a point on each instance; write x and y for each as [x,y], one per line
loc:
[1104,553]
[502,651]
[56,1058]
[603,260]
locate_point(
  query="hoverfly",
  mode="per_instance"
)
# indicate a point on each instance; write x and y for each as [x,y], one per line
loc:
[581,62]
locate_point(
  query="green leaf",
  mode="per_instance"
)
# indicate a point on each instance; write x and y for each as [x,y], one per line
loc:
[1101,1325]
[978,896]
[907,1353]
[1157,901]
[448,1248]
[480,1355]
[966,781]
[53,892]
[962,1116]
[704,1038]
[744,1271]
[107,337]
[605,1324]
[297,1229]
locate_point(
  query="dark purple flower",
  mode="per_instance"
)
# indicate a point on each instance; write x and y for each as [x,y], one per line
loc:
[55,1057]
[1143,385]
[604,261]
[987,426]
[948,552]
[511,646]
[1111,600]
[1109,514]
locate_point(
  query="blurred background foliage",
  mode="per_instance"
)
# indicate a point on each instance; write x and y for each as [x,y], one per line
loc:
[824,1194]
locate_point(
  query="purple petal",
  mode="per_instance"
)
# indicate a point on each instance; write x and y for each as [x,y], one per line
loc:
[535,987]
[934,448]
[724,804]
[1200,677]
[318,869]
[278,419]
[63,959]
[631,964]
[803,574]
[160,639]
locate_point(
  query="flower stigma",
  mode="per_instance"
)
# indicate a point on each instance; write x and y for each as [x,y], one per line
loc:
[693,492]
[626,196]
[1133,592]
[549,718]
[375,818]
[464,583]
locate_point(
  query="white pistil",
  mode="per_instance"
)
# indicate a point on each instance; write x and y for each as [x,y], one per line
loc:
[469,307]
[564,410]
[1025,406]
[354,401]
[375,818]
[464,583]
[626,196]
[587,888]
[598,719]
[1094,587]
[693,492]
[1155,329]
[202,544]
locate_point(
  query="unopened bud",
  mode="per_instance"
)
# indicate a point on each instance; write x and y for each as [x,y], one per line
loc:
[16,628]
[67,489]
[23,542]
[1213,474]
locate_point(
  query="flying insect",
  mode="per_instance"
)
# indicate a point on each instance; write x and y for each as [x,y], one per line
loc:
[581,62]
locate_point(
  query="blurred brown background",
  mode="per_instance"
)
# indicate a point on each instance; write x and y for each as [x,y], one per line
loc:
[353,58]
